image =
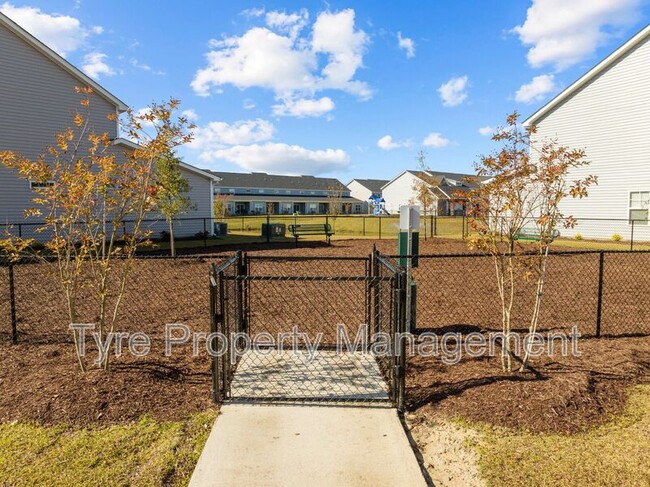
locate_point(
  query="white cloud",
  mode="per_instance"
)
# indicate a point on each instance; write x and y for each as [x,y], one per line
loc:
[145,67]
[435,140]
[190,114]
[387,143]
[407,44]
[62,33]
[334,34]
[536,90]
[252,12]
[95,66]
[281,158]
[304,107]
[285,23]
[259,58]
[219,135]
[487,130]
[249,104]
[287,61]
[563,33]
[454,91]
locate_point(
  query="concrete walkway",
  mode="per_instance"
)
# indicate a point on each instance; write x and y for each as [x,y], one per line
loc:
[331,375]
[319,445]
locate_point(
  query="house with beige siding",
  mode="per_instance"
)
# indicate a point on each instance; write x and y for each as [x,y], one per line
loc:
[606,112]
[38,100]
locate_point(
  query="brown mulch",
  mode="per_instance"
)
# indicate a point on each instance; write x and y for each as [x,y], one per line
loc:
[44,383]
[40,379]
[560,394]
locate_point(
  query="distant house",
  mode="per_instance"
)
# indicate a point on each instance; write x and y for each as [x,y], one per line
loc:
[363,189]
[258,192]
[38,100]
[607,113]
[446,189]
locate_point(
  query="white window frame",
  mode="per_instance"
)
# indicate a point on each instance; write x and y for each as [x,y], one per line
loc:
[630,208]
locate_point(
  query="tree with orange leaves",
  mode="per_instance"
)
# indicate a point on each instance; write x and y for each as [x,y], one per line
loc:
[519,194]
[93,201]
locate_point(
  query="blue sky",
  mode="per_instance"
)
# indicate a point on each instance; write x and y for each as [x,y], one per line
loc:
[347,89]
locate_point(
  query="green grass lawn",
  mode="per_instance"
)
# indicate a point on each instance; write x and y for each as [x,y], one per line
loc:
[144,453]
[616,453]
[349,225]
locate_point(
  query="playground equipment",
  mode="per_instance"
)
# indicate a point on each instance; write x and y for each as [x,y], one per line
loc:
[378,205]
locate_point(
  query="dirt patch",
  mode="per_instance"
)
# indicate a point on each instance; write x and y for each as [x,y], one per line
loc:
[561,394]
[444,447]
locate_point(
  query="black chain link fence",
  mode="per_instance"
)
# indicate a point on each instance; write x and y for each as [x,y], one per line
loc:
[286,305]
[601,293]
[160,291]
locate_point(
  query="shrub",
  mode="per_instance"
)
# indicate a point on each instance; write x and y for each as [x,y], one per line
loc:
[577,236]
[616,237]
[164,236]
[202,234]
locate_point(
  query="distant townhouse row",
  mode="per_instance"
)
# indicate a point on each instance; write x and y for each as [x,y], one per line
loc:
[260,193]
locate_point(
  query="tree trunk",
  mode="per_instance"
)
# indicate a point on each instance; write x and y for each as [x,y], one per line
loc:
[172,245]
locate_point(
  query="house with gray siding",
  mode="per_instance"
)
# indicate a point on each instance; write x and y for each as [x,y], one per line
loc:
[38,100]
[258,192]
[606,112]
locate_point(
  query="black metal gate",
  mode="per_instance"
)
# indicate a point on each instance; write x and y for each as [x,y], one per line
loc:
[289,328]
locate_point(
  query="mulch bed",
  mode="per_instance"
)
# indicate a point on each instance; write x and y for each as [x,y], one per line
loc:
[40,379]
[560,394]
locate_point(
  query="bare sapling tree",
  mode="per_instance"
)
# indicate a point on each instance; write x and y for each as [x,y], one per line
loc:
[93,199]
[334,199]
[422,188]
[220,205]
[523,184]
[171,193]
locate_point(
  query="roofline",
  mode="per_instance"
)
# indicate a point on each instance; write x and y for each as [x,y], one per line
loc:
[58,59]
[188,167]
[588,76]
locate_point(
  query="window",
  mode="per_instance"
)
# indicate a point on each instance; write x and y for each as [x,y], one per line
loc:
[639,206]
[36,185]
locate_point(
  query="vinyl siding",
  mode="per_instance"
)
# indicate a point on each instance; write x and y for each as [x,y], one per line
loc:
[610,119]
[360,192]
[37,100]
[399,192]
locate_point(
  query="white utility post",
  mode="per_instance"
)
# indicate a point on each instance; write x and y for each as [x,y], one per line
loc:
[408,246]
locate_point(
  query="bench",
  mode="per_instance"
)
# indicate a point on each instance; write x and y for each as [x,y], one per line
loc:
[300,230]
[534,235]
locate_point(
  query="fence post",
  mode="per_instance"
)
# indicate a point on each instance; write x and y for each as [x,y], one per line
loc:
[379,227]
[268,227]
[205,234]
[401,327]
[12,304]
[242,326]
[632,237]
[20,231]
[215,316]
[599,309]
